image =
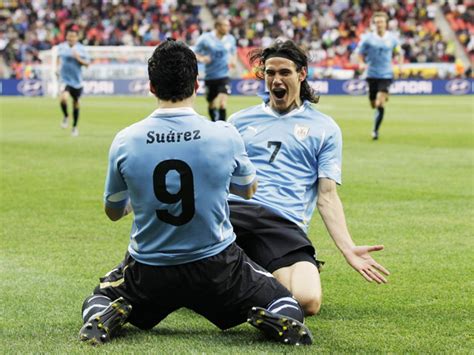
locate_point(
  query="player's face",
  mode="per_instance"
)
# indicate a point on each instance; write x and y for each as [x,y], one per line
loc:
[284,83]
[71,38]
[380,24]
[223,28]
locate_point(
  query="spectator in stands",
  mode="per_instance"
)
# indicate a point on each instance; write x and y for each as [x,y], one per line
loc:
[329,29]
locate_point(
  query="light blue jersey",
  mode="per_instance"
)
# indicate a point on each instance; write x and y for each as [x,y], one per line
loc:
[378,52]
[71,70]
[176,167]
[219,50]
[290,153]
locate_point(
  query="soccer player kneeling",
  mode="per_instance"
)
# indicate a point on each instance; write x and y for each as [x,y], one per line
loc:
[182,250]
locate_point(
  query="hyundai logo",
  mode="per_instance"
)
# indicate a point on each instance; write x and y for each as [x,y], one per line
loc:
[30,87]
[139,86]
[249,87]
[458,86]
[355,87]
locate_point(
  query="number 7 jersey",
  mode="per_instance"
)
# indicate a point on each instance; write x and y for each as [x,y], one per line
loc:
[176,168]
[290,153]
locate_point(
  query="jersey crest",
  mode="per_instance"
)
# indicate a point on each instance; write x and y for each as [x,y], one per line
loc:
[251,130]
[300,131]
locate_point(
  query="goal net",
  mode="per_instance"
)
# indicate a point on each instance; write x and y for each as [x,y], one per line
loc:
[107,63]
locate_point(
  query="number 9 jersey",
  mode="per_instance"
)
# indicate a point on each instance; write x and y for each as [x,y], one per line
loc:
[176,168]
[290,152]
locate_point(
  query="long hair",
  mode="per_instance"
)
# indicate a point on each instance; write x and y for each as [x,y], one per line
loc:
[286,49]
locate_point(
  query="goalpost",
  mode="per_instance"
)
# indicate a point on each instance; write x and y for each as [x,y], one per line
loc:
[107,63]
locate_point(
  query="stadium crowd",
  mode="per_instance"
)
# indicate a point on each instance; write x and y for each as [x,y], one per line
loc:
[329,30]
[461,18]
[27,27]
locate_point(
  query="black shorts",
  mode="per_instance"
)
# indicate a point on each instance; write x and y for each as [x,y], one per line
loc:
[216,87]
[268,239]
[222,288]
[75,93]
[376,85]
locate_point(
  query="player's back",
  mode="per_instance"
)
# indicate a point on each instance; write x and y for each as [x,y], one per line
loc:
[177,166]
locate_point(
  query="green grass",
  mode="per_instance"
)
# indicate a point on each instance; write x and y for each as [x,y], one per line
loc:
[412,191]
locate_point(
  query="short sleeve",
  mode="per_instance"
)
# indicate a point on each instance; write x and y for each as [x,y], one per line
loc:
[244,173]
[200,46]
[362,47]
[330,157]
[116,191]
[61,50]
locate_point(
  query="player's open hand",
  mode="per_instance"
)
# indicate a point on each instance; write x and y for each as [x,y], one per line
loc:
[359,258]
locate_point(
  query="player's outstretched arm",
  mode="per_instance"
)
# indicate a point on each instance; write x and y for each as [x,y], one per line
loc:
[332,213]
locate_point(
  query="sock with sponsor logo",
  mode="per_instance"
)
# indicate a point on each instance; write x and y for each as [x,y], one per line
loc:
[287,306]
[94,304]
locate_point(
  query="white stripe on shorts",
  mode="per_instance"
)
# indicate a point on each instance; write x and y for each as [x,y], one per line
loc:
[265,273]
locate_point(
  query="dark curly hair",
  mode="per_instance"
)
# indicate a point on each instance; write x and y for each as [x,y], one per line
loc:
[286,49]
[172,70]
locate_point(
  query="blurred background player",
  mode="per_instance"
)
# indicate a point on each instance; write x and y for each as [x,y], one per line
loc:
[375,52]
[72,56]
[182,250]
[297,151]
[217,50]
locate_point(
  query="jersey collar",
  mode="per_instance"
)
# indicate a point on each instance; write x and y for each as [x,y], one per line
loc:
[174,111]
[214,34]
[381,37]
[266,108]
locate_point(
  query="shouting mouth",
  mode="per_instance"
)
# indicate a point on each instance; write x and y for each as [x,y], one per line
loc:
[279,93]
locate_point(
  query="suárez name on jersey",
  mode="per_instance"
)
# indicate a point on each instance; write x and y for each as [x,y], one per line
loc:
[172,136]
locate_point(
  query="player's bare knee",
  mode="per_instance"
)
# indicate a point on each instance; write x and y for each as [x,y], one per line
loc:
[223,103]
[311,303]
[312,307]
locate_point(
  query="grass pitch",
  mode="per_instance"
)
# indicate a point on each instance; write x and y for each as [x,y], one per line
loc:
[412,191]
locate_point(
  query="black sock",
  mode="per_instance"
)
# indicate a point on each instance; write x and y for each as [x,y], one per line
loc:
[64,108]
[212,114]
[287,306]
[75,115]
[378,118]
[222,114]
[93,305]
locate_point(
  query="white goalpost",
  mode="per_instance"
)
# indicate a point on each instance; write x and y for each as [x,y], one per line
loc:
[107,63]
